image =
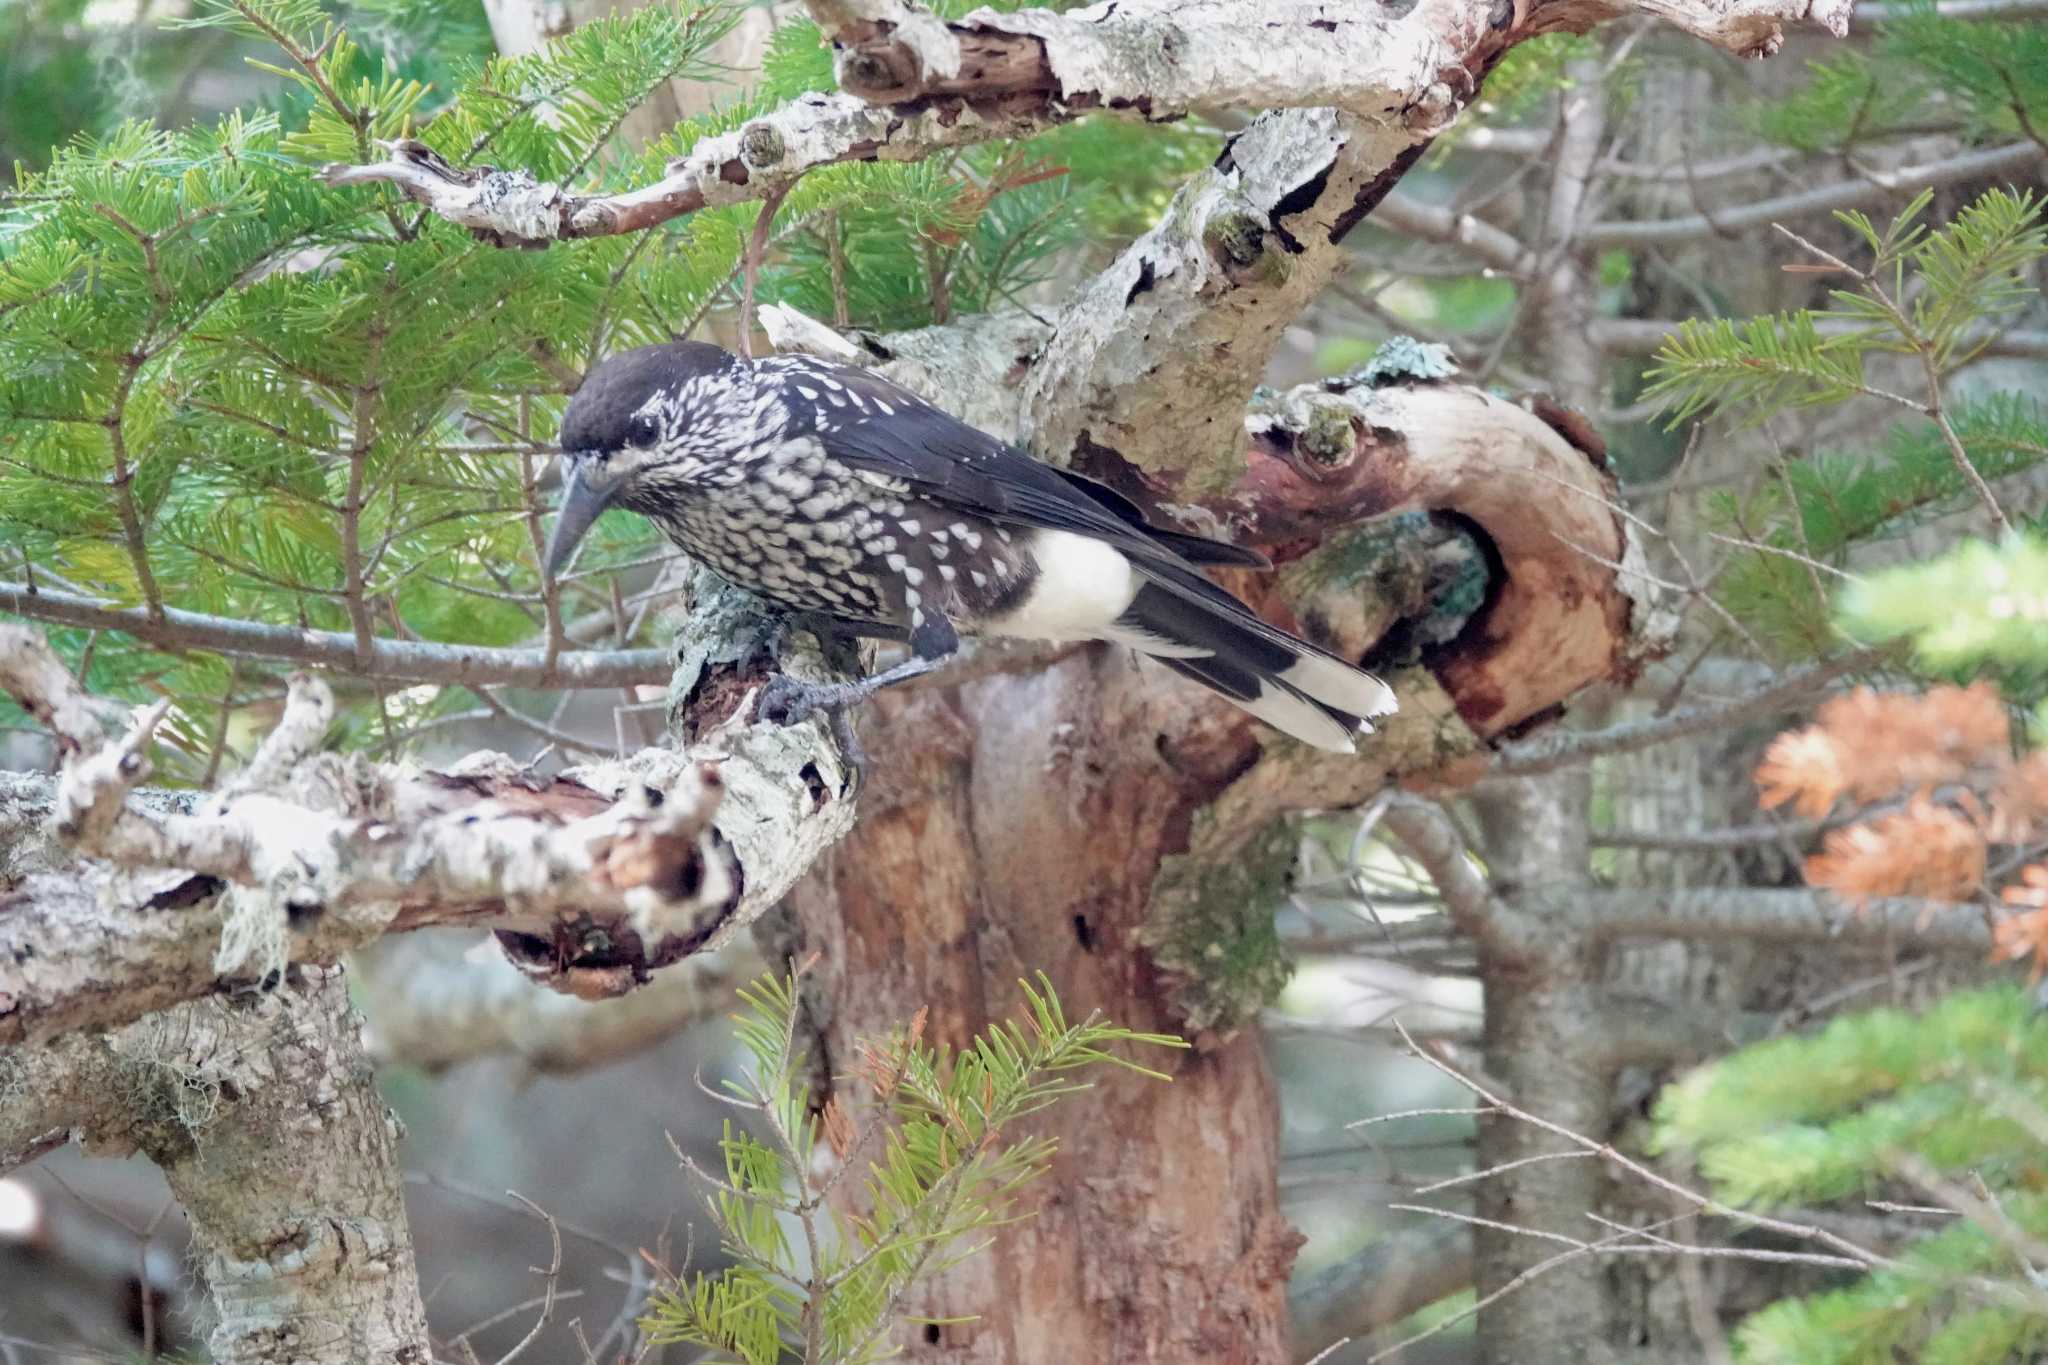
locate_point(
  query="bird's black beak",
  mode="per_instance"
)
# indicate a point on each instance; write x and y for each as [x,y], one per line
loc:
[582,504]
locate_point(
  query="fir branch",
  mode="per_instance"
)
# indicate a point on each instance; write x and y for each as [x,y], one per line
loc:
[949,1167]
[1647,336]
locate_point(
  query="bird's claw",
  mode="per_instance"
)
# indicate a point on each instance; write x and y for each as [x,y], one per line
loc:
[790,701]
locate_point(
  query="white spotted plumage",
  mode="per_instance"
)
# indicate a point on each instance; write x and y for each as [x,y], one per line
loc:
[827,489]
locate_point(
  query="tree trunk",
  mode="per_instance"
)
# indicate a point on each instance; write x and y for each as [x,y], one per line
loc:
[285,1160]
[1017,828]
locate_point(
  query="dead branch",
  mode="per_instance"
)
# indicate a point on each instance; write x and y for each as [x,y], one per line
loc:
[591,879]
[1564,748]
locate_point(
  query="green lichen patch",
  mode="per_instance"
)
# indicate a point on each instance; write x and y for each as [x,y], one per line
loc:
[1330,438]
[1237,237]
[1211,930]
[1398,360]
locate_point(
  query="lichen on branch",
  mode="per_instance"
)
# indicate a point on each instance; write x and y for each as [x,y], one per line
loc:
[592,879]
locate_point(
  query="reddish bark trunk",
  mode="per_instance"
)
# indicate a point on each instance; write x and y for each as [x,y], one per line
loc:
[1026,836]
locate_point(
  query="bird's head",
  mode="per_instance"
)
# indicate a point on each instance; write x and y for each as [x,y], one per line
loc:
[637,424]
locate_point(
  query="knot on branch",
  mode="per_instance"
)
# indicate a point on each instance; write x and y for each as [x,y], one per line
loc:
[1565,599]
[891,51]
[504,208]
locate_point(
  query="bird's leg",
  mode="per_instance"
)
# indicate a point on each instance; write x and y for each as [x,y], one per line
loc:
[786,700]
[763,635]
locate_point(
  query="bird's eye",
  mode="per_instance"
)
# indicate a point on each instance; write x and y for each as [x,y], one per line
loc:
[642,431]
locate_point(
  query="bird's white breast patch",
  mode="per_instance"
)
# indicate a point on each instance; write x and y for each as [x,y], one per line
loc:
[1083,585]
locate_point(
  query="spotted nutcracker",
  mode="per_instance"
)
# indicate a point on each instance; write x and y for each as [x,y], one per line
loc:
[830,490]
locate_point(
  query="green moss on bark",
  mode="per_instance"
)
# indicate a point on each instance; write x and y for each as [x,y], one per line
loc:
[1211,929]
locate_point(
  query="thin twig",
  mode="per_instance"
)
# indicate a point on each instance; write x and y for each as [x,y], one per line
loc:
[1562,749]
[751,272]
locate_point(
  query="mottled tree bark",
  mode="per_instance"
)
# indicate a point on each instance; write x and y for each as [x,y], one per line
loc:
[1061,821]
[1022,831]
[266,1121]
[262,1112]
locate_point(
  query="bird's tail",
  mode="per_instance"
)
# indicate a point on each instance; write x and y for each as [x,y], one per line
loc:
[1200,631]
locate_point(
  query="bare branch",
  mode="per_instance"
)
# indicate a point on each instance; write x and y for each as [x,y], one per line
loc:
[390,660]
[1876,189]
[1561,749]
[1611,1154]
[1760,915]
[1710,840]
[1429,835]
[1500,250]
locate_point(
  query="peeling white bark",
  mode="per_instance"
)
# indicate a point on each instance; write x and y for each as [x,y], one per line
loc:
[1155,358]
[917,86]
[597,877]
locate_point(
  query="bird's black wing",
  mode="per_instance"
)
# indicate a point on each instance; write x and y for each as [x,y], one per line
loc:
[872,424]
[865,421]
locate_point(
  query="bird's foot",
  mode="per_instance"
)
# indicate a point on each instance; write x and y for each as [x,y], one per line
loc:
[788,701]
[766,639]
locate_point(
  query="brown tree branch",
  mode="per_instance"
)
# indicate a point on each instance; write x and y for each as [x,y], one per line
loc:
[1429,836]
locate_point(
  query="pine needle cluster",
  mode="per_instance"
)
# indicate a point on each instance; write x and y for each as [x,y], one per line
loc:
[930,1134]
[1933,296]
[1937,781]
[1935,778]
[228,389]
[1923,69]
